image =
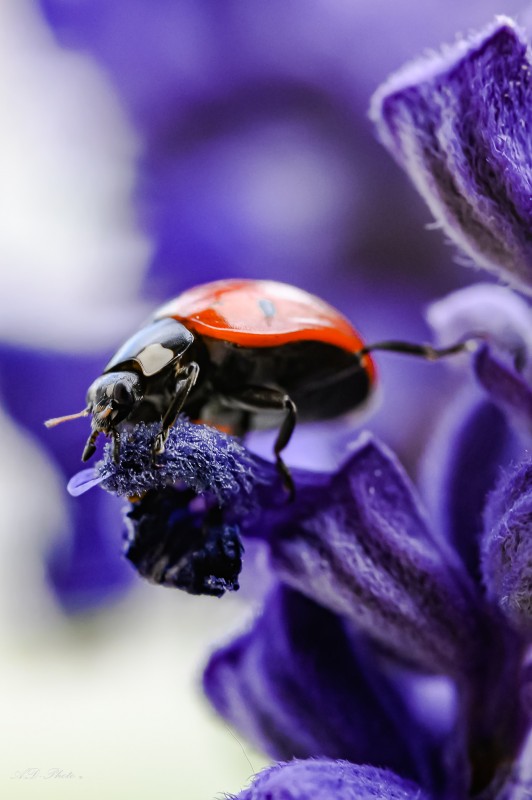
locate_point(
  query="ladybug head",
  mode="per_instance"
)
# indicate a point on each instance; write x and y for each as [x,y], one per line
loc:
[110,399]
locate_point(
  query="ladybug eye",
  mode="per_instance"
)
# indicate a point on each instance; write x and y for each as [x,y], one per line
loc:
[122,394]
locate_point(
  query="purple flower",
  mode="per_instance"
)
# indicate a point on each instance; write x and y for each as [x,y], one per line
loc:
[299,683]
[507,547]
[322,779]
[182,520]
[458,123]
[366,598]
[503,362]
[172,544]
[461,465]
[360,545]
[356,541]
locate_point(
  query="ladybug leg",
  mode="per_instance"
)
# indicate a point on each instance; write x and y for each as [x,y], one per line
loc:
[186,378]
[90,447]
[116,446]
[262,398]
[422,350]
[283,437]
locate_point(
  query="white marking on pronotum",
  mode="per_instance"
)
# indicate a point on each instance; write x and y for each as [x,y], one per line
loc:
[154,357]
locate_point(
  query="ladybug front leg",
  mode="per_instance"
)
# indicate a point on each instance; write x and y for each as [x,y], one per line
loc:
[186,378]
[262,398]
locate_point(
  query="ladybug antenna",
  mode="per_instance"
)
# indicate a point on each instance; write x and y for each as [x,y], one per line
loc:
[51,423]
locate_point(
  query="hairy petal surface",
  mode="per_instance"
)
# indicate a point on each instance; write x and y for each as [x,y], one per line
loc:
[171,543]
[460,467]
[506,387]
[200,457]
[297,685]
[507,547]
[502,363]
[360,546]
[495,313]
[458,123]
[323,779]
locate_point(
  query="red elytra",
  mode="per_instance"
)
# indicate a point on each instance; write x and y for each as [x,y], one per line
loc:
[260,313]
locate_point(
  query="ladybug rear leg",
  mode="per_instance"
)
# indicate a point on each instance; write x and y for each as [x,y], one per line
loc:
[425,351]
[186,378]
[263,398]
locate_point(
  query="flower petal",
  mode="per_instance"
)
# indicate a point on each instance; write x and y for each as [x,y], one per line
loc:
[82,481]
[460,467]
[172,544]
[360,547]
[458,123]
[506,387]
[297,685]
[323,779]
[497,313]
[199,456]
[507,547]
[503,364]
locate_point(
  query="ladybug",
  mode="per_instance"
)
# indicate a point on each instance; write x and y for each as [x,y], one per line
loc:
[231,351]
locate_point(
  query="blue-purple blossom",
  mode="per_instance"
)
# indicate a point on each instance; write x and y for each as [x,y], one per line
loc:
[182,523]
[502,363]
[299,683]
[323,779]
[458,123]
[356,541]
[303,678]
[171,543]
[367,595]
[361,546]
[203,459]
[507,547]
[461,465]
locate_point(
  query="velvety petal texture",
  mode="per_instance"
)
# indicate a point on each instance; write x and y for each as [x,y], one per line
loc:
[360,546]
[200,457]
[171,543]
[507,547]
[506,387]
[501,321]
[321,779]
[493,313]
[461,465]
[459,124]
[296,684]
